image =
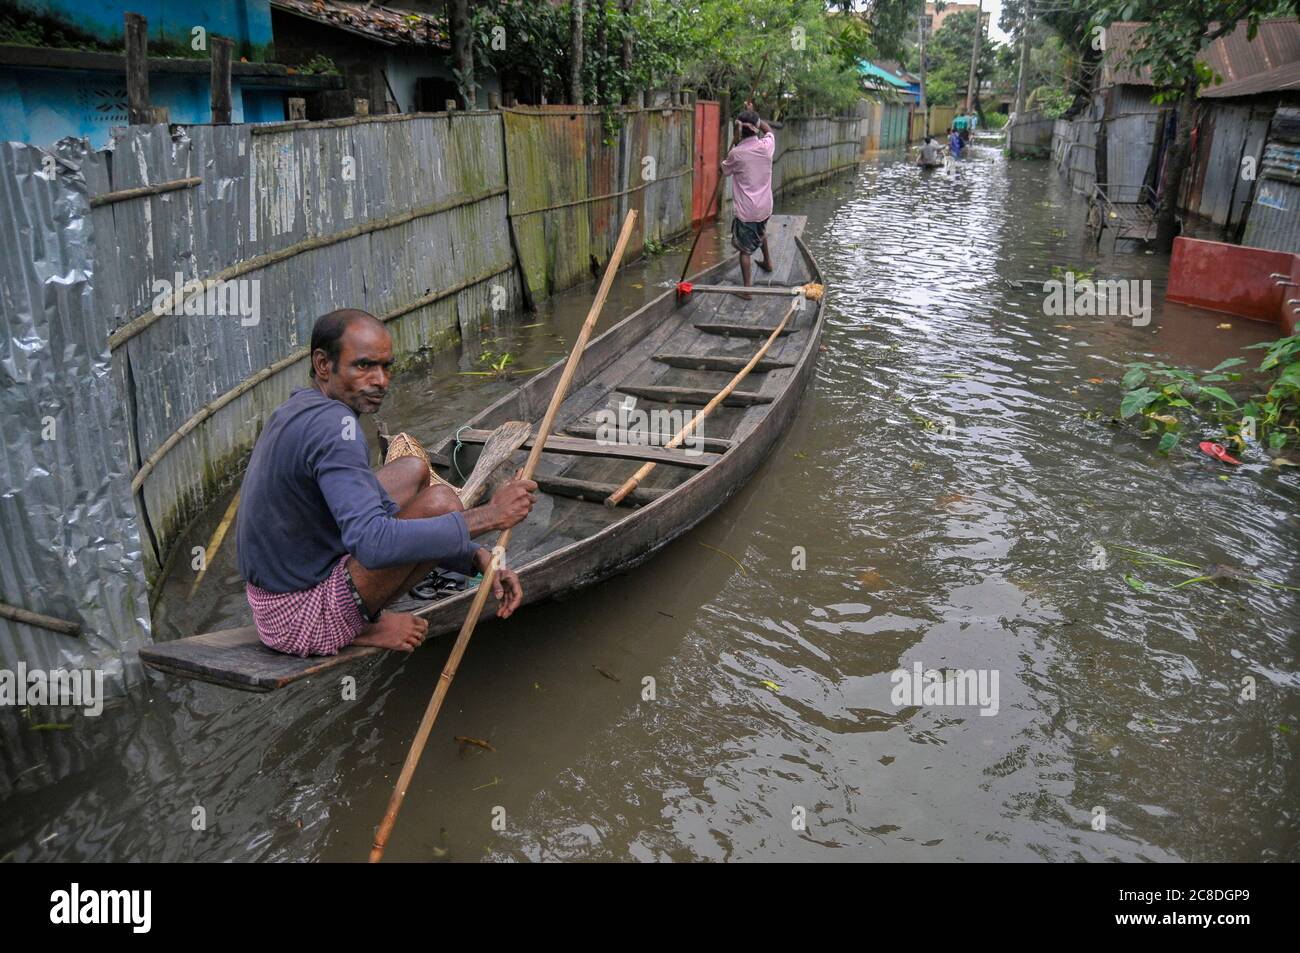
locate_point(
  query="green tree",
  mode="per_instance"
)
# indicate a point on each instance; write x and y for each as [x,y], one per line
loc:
[947,57]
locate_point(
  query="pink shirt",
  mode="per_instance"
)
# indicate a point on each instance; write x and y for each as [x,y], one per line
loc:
[750,165]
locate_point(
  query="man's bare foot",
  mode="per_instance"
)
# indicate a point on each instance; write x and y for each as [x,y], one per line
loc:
[397,631]
[765,266]
[743,295]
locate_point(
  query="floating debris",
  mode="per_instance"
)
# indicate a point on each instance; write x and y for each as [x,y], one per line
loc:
[728,555]
[465,740]
[609,675]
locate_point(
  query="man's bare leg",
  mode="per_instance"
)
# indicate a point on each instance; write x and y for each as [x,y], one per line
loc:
[746,277]
[406,482]
[766,263]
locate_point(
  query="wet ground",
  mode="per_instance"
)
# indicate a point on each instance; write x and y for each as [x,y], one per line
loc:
[959,498]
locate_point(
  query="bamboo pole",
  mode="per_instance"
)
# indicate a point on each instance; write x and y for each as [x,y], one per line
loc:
[27,617]
[635,480]
[498,551]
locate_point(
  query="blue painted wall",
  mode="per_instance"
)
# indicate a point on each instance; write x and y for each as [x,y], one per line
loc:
[42,106]
[247,22]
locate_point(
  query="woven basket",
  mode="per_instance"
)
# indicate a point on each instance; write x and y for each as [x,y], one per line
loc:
[403,444]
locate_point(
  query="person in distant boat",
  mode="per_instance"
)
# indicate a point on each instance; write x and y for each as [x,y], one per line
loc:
[930,153]
[955,143]
[323,542]
[962,124]
[750,166]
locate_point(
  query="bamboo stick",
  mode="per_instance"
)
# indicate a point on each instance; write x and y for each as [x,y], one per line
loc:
[635,480]
[498,551]
[177,301]
[27,617]
[109,198]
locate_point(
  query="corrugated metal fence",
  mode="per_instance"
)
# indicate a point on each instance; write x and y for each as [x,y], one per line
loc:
[1031,135]
[159,297]
[1275,208]
[569,191]
[69,543]
[810,150]
[1131,124]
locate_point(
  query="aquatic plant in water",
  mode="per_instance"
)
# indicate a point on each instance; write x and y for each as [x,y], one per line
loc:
[1167,399]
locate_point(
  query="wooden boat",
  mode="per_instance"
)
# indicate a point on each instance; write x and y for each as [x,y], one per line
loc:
[668,355]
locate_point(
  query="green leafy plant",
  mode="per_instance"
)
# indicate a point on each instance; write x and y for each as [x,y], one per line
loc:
[319,65]
[1167,399]
[497,366]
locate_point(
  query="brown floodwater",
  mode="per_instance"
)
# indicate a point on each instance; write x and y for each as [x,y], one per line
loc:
[959,498]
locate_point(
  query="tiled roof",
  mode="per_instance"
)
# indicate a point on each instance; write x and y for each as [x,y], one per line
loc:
[372,21]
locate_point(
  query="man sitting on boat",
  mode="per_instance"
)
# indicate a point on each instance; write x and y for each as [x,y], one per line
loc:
[324,542]
[750,165]
[930,152]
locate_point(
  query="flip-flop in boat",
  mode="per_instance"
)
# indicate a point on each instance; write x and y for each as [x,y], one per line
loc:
[673,356]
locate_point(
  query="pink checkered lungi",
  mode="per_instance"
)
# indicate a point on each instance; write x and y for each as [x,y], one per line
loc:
[316,621]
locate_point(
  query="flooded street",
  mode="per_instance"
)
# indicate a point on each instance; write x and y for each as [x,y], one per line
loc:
[958,495]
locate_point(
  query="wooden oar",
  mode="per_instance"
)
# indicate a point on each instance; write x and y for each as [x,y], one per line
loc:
[505,440]
[498,551]
[635,480]
[811,290]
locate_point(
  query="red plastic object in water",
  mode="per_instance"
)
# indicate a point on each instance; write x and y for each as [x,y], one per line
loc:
[684,287]
[1219,452]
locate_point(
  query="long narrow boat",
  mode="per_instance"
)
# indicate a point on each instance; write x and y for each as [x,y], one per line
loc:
[669,355]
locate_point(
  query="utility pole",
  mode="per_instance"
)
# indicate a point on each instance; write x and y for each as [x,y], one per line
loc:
[575,52]
[1022,82]
[974,56]
[920,36]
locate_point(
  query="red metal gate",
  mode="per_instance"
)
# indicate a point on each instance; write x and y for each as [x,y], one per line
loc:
[707,114]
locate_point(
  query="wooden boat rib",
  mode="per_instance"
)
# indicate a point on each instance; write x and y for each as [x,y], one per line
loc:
[572,539]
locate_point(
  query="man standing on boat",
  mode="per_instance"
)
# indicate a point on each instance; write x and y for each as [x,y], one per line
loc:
[324,542]
[750,166]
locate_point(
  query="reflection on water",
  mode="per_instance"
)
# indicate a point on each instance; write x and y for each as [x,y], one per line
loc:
[958,503]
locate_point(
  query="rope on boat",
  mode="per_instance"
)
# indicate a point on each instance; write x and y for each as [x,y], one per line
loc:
[456,450]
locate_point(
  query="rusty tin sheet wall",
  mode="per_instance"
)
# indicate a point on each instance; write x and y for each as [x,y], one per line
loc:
[378,215]
[1074,146]
[1130,141]
[1274,213]
[1229,132]
[571,185]
[71,545]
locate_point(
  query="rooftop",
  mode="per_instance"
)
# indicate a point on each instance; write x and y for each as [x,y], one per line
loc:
[1234,57]
[373,21]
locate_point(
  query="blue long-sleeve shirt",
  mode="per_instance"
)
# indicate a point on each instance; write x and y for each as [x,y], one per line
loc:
[310,496]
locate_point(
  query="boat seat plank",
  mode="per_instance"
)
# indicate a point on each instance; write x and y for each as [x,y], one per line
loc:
[236,658]
[576,446]
[717,362]
[654,439]
[742,330]
[693,395]
[594,492]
